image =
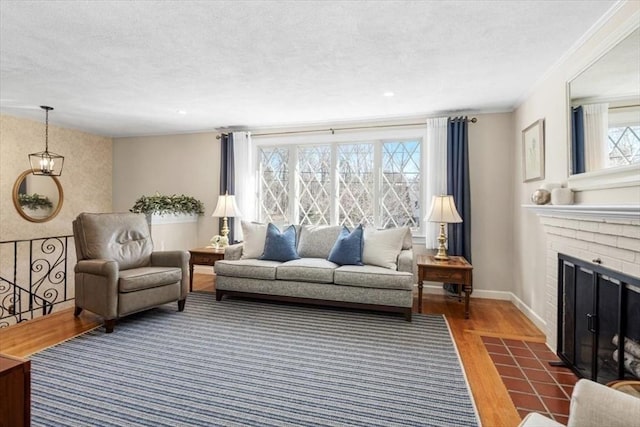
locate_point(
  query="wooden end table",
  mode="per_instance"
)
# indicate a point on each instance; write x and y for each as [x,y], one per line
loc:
[203,256]
[455,270]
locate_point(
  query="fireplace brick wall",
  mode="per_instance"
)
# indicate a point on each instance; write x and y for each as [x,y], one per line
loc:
[615,242]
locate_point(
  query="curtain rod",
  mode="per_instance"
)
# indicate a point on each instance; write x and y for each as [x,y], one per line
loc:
[333,130]
[624,106]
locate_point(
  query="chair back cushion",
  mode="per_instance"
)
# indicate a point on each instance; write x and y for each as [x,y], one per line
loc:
[120,237]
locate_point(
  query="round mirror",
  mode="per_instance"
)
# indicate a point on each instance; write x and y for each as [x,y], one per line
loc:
[37,198]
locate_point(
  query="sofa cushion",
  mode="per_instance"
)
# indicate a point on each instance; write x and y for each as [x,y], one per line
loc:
[280,246]
[369,276]
[307,270]
[382,247]
[348,248]
[254,235]
[316,241]
[137,279]
[249,268]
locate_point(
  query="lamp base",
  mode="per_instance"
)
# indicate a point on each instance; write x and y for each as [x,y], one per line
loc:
[225,231]
[442,249]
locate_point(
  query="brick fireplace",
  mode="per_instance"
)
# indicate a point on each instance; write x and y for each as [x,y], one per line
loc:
[608,234]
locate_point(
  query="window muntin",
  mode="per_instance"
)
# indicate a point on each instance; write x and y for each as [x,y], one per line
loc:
[274,184]
[314,185]
[623,145]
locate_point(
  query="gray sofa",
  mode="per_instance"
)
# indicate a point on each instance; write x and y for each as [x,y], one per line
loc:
[314,279]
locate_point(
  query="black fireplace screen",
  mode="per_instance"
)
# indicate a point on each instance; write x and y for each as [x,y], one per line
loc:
[596,307]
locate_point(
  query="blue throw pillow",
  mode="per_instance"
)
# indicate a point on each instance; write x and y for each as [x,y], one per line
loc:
[348,248]
[280,246]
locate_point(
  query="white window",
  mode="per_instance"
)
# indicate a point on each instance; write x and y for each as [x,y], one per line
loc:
[375,182]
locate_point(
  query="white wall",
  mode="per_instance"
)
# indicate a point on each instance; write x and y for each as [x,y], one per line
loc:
[170,164]
[491,169]
[548,100]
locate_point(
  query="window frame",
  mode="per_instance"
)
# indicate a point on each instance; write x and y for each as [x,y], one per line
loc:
[377,137]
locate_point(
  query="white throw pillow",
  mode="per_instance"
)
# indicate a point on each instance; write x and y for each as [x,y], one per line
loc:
[382,247]
[254,235]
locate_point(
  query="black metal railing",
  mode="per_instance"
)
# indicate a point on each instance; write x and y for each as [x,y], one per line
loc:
[33,278]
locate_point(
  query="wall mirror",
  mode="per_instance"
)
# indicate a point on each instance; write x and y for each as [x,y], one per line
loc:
[604,117]
[37,198]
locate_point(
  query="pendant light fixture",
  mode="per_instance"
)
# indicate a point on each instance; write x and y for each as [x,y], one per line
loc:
[46,162]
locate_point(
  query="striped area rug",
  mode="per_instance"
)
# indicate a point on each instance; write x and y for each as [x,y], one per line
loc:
[237,363]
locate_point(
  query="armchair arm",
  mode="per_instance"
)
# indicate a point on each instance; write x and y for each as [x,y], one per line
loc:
[533,419]
[178,259]
[96,283]
[405,260]
[594,404]
[232,252]
[99,267]
[170,259]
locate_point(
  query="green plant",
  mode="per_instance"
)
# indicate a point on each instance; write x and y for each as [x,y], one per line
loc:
[34,201]
[159,204]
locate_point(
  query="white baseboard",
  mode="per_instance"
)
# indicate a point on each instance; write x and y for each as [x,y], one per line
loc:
[527,311]
[477,293]
[500,295]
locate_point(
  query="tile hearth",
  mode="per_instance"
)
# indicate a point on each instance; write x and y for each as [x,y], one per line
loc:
[533,385]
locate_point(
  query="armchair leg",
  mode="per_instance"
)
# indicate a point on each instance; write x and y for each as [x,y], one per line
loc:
[77,311]
[407,315]
[181,304]
[109,325]
[219,295]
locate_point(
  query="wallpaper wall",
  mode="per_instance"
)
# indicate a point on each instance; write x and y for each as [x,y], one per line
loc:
[86,182]
[86,178]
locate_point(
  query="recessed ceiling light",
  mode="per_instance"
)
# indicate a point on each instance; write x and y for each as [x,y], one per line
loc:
[181,112]
[388,94]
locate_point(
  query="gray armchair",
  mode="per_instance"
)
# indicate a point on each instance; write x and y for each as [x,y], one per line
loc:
[118,273]
[594,405]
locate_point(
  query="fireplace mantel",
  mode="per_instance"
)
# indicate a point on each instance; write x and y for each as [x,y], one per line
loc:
[593,212]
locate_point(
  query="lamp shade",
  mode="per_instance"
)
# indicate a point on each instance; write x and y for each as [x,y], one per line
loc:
[226,207]
[443,209]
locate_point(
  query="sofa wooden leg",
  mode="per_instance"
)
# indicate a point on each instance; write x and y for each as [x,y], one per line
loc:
[109,325]
[181,304]
[77,311]
[219,295]
[407,316]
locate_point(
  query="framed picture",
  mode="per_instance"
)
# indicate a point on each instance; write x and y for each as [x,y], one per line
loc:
[533,151]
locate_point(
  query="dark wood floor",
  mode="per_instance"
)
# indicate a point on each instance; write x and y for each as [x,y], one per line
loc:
[490,318]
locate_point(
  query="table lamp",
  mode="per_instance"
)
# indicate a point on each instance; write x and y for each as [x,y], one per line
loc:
[226,208]
[443,210]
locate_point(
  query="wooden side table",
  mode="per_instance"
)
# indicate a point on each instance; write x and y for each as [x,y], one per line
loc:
[456,270]
[203,256]
[15,391]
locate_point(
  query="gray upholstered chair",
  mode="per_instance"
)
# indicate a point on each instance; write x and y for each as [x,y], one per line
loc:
[118,273]
[593,405]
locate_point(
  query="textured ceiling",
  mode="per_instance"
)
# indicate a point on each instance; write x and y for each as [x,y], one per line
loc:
[122,68]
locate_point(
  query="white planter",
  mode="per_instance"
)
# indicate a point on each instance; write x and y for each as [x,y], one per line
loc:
[173,218]
[37,213]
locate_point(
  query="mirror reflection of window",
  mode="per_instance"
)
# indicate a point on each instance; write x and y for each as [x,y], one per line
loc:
[605,110]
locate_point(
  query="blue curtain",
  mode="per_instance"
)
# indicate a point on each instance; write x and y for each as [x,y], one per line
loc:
[459,235]
[227,174]
[577,140]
